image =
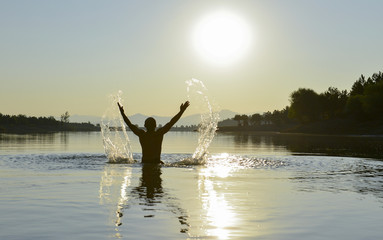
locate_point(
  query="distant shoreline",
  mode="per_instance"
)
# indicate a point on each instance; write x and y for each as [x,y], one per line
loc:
[330,127]
[65,127]
[44,131]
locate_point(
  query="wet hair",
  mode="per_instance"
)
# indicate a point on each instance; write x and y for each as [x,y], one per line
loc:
[150,123]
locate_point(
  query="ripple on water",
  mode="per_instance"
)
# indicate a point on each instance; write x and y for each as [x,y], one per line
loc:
[56,161]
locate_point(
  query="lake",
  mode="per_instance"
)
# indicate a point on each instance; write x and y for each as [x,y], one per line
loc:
[253,186]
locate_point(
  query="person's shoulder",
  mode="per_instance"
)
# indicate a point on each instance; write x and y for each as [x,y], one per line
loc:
[160,131]
[141,132]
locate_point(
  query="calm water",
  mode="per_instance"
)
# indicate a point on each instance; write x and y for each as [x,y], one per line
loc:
[59,186]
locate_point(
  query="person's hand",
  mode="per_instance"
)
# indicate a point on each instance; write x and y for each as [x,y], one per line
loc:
[120,107]
[184,106]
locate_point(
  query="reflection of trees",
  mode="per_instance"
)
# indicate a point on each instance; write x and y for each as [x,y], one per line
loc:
[331,145]
[256,139]
[352,146]
[241,138]
[40,138]
[64,138]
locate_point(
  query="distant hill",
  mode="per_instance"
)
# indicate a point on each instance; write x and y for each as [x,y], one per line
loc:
[140,118]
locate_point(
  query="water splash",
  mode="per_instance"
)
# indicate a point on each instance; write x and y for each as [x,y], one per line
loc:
[199,97]
[116,141]
[115,138]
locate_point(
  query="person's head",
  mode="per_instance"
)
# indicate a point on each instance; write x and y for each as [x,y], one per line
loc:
[150,124]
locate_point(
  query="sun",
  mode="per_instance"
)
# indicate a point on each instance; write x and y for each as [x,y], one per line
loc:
[221,37]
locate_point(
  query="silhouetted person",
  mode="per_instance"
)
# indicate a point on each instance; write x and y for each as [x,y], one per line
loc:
[151,139]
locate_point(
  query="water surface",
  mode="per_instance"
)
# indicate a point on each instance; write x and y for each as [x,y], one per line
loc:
[60,186]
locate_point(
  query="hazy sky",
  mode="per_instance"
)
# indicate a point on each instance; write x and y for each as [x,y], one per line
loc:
[58,56]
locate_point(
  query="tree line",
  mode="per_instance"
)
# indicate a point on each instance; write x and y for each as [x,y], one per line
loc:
[364,102]
[277,117]
[23,124]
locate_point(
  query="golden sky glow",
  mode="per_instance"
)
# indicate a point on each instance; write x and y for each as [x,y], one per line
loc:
[59,56]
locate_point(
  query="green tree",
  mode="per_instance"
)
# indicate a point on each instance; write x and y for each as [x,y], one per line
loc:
[333,103]
[279,117]
[65,117]
[267,117]
[366,100]
[305,105]
[373,100]
[245,120]
[256,119]
[358,86]
[238,118]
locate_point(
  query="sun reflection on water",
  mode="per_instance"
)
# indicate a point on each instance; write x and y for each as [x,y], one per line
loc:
[220,215]
[113,185]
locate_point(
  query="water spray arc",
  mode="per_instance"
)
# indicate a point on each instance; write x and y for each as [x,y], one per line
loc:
[198,95]
[115,138]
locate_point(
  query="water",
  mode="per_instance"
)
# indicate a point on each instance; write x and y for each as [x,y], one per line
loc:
[199,96]
[253,186]
[116,145]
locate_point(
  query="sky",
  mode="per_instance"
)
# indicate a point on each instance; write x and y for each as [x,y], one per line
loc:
[58,56]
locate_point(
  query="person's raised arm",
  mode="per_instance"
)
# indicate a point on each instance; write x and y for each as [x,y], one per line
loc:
[132,127]
[170,124]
